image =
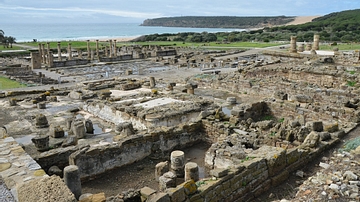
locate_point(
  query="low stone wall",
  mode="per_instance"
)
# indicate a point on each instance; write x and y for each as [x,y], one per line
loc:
[118,58]
[112,115]
[66,63]
[96,160]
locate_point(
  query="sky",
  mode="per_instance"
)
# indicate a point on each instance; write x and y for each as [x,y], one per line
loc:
[136,11]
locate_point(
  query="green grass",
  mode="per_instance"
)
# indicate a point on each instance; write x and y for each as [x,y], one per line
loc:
[341,46]
[351,83]
[64,44]
[83,44]
[351,145]
[6,83]
[13,48]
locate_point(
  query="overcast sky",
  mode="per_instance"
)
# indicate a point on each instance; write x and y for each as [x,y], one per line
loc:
[14,11]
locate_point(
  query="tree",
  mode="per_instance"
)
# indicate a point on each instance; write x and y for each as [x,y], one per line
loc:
[2,36]
[11,40]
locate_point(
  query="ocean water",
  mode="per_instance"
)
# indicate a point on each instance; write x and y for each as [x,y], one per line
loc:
[83,31]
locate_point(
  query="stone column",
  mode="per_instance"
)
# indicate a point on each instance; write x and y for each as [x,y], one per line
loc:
[106,51]
[97,49]
[79,53]
[115,49]
[308,47]
[92,55]
[59,50]
[301,48]
[88,49]
[191,171]
[72,180]
[293,44]
[69,52]
[41,142]
[41,121]
[51,59]
[177,162]
[152,82]
[111,50]
[40,52]
[316,42]
[43,53]
[48,52]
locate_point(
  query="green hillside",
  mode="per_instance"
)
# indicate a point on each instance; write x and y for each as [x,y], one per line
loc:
[218,21]
[335,27]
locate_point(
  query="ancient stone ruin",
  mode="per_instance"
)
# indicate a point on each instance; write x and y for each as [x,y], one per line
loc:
[252,120]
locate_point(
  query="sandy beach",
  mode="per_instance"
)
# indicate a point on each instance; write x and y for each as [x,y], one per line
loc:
[302,19]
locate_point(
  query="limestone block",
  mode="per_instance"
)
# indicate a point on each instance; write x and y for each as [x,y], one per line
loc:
[159,197]
[331,127]
[146,192]
[312,140]
[176,194]
[302,98]
[3,132]
[189,187]
[160,169]
[292,155]
[167,180]
[219,172]
[75,95]
[54,170]
[324,136]
[278,179]
[315,126]
[78,128]
[56,131]
[275,158]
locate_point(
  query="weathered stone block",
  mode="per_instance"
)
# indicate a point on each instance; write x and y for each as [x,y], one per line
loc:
[146,192]
[278,179]
[275,158]
[176,194]
[219,172]
[159,197]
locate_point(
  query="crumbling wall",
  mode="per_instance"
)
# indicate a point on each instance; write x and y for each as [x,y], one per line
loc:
[96,160]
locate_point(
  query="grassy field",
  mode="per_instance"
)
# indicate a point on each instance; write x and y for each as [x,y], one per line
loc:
[64,44]
[6,83]
[342,46]
[13,48]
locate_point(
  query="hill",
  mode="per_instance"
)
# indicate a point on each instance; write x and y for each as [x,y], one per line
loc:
[335,27]
[218,21]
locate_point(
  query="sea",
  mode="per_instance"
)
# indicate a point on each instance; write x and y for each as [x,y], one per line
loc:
[84,31]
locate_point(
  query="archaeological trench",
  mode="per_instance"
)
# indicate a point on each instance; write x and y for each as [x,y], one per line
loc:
[261,117]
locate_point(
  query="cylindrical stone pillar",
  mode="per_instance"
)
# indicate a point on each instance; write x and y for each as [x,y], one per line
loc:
[191,171]
[316,42]
[48,52]
[177,162]
[59,50]
[88,49]
[293,44]
[106,51]
[301,48]
[79,53]
[115,49]
[110,46]
[43,53]
[72,180]
[152,82]
[40,52]
[97,49]
[69,51]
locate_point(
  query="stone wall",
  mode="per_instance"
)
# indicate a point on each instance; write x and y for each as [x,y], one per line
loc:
[118,58]
[66,63]
[96,160]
